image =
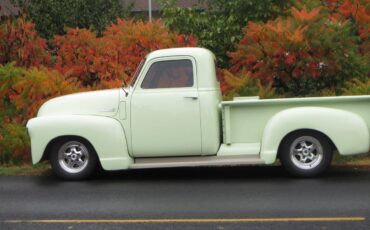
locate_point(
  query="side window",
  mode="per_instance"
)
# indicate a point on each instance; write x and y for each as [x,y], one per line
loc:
[169,74]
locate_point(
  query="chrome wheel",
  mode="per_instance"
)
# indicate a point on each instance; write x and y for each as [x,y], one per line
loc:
[73,157]
[306,152]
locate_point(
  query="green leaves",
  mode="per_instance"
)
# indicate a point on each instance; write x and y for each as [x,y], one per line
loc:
[53,16]
[14,143]
[219,26]
[357,87]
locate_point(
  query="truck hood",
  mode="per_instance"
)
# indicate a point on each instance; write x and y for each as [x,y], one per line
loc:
[101,103]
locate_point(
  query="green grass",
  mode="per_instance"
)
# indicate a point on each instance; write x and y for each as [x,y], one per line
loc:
[25,170]
[357,160]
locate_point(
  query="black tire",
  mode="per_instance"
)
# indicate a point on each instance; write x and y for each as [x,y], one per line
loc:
[305,153]
[73,159]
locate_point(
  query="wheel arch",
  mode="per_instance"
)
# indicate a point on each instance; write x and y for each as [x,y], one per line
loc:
[55,140]
[295,132]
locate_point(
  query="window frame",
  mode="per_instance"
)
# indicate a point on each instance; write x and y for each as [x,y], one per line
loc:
[174,58]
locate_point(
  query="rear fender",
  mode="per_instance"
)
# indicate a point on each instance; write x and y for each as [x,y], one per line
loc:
[346,130]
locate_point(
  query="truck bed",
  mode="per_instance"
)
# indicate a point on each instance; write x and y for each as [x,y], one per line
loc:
[245,118]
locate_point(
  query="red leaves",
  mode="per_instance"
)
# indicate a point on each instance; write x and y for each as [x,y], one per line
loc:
[103,62]
[26,89]
[359,12]
[305,48]
[76,54]
[358,9]
[290,59]
[19,42]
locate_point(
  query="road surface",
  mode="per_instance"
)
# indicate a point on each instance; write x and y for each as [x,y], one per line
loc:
[189,198]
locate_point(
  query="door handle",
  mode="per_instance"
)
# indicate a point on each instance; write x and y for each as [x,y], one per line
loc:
[192,97]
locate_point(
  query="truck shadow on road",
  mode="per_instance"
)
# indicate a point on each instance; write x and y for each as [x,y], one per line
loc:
[250,173]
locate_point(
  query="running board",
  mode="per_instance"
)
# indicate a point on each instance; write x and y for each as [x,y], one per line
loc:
[171,162]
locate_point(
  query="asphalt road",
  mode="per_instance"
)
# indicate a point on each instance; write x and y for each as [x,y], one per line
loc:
[189,198]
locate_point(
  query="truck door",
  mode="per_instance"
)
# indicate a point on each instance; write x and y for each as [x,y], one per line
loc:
[165,116]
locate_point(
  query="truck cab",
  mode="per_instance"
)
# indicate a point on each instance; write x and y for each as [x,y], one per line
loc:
[174,105]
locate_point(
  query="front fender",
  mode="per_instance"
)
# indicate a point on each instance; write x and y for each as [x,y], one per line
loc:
[346,130]
[105,134]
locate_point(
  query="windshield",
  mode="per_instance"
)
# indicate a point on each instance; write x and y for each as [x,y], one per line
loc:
[137,72]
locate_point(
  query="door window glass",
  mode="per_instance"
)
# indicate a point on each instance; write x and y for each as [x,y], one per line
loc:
[169,74]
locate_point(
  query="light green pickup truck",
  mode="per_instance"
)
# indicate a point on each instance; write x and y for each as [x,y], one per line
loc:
[171,115]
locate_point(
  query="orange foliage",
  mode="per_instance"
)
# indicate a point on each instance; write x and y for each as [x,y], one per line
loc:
[103,62]
[76,55]
[127,42]
[356,9]
[359,12]
[37,86]
[297,34]
[19,42]
[298,54]
[304,15]
[26,90]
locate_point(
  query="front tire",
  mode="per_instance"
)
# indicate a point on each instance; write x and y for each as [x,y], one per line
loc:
[306,153]
[73,159]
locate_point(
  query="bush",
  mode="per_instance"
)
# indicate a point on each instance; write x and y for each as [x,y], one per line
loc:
[356,11]
[14,144]
[52,16]
[105,61]
[301,54]
[357,87]
[244,85]
[20,42]
[23,91]
[127,42]
[219,26]
[76,54]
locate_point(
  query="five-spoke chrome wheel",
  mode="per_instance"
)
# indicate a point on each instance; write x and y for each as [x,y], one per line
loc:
[306,152]
[73,156]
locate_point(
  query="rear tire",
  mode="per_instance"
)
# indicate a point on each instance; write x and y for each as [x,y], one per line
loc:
[306,153]
[73,159]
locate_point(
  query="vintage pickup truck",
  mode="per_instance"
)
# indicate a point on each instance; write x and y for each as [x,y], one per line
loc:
[171,115]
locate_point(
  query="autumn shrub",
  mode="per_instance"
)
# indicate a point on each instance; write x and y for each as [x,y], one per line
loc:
[14,144]
[104,62]
[357,87]
[25,90]
[301,54]
[218,26]
[356,11]
[127,42]
[19,42]
[22,92]
[77,53]
[244,85]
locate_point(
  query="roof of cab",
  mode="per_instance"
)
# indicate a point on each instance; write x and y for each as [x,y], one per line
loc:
[187,51]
